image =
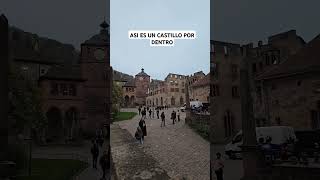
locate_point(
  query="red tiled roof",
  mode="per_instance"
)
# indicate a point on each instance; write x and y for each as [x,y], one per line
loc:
[306,60]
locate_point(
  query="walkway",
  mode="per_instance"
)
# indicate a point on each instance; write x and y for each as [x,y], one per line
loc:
[81,153]
[177,148]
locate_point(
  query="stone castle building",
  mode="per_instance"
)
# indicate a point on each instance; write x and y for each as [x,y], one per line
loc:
[225,79]
[76,85]
[289,94]
[134,89]
[201,89]
[142,83]
[172,91]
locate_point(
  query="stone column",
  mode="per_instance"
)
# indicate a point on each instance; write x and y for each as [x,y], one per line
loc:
[188,109]
[250,149]
[4,67]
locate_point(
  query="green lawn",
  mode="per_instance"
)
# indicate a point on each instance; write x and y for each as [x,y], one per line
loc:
[202,130]
[121,116]
[54,169]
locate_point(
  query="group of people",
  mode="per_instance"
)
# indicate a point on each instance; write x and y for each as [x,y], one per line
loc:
[141,131]
[104,160]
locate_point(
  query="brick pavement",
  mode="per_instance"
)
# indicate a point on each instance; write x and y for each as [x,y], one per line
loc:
[177,148]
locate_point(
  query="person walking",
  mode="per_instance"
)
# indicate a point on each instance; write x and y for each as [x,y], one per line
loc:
[163,120]
[154,109]
[173,117]
[158,113]
[218,166]
[94,153]
[139,134]
[104,162]
[139,109]
[150,111]
[143,127]
[178,116]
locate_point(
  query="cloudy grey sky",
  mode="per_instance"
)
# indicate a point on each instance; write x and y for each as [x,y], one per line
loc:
[68,21]
[243,21]
[186,57]
[240,21]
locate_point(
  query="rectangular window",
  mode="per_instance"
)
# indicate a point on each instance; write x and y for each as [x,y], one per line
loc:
[54,89]
[234,71]
[182,90]
[64,89]
[215,90]
[172,90]
[235,92]
[254,68]
[177,89]
[72,90]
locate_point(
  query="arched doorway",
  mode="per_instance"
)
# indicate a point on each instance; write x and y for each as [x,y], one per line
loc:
[161,101]
[173,101]
[228,123]
[54,131]
[126,101]
[71,123]
[132,101]
[181,101]
[157,102]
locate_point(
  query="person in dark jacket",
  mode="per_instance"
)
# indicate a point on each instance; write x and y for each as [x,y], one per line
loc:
[94,153]
[163,119]
[143,126]
[104,162]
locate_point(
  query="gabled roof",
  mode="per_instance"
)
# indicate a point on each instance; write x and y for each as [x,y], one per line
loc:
[71,73]
[305,60]
[142,73]
[101,39]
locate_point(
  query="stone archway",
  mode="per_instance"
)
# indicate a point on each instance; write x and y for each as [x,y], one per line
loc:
[228,123]
[126,101]
[132,101]
[173,101]
[71,123]
[181,101]
[55,125]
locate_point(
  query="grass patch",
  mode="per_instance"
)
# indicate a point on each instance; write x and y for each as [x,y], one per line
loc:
[121,116]
[53,169]
[202,130]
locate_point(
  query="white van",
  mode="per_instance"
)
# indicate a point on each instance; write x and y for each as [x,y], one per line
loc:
[193,105]
[279,135]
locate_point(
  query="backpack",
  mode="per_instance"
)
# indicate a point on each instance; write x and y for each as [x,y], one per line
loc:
[137,135]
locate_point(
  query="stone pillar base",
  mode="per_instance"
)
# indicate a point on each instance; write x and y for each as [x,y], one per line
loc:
[7,169]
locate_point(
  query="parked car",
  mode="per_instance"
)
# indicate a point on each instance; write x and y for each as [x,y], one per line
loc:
[278,134]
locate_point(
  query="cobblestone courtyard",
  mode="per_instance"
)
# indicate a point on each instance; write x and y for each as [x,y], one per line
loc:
[177,148]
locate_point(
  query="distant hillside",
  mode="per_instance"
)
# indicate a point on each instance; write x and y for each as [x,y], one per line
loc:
[119,76]
[25,45]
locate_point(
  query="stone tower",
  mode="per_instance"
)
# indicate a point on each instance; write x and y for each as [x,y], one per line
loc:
[96,70]
[142,82]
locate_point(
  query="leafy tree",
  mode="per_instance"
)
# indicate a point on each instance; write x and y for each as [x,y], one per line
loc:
[25,111]
[116,97]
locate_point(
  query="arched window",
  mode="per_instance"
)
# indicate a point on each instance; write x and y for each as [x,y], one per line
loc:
[228,123]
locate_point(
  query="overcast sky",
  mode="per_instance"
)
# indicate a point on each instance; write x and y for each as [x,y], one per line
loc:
[243,21]
[186,57]
[239,21]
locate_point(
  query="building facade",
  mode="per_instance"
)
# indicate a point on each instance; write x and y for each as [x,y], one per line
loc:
[289,94]
[142,83]
[76,86]
[201,89]
[226,59]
